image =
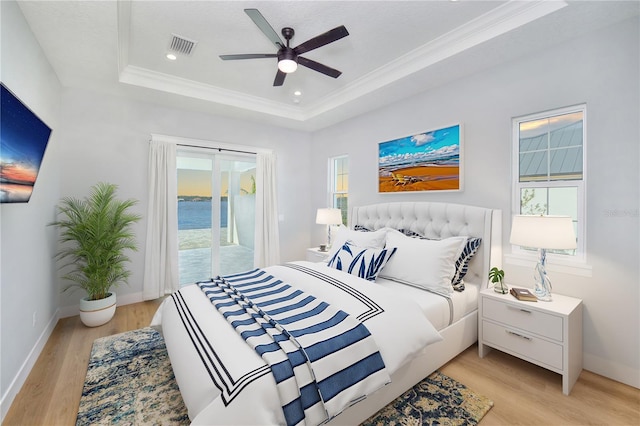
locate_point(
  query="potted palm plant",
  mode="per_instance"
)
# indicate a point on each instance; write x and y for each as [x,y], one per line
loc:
[95,232]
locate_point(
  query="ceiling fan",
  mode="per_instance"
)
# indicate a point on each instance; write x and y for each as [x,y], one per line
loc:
[288,57]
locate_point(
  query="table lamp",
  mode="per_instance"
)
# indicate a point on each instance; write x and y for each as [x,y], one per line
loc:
[543,233]
[329,217]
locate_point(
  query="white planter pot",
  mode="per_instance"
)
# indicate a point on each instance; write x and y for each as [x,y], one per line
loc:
[97,312]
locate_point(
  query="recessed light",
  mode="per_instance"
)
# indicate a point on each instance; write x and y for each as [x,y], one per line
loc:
[297,93]
[171,56]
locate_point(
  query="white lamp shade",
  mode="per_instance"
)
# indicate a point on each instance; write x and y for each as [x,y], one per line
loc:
[546,232]
[329,217]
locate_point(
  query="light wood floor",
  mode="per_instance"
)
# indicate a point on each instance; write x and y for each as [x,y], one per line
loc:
[523,394]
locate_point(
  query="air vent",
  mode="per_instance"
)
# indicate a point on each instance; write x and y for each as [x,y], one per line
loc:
[181,45]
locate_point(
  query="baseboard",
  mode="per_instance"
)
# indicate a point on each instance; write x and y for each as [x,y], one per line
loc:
[121,300]
[25,369]
[619,373]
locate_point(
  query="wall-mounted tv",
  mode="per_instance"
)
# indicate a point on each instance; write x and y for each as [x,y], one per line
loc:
[23,140]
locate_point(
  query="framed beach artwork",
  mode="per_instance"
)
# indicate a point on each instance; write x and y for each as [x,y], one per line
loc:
[427,161]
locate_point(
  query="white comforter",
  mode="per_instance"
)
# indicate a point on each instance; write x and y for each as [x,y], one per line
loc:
[224,381]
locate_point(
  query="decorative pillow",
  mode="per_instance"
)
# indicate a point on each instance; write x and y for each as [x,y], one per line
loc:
[462,264]
[362,262]
[362,228]
[372,239]
[428,264]
[412,234]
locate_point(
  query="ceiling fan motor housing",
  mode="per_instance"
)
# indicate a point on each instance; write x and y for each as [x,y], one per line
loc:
[287,53]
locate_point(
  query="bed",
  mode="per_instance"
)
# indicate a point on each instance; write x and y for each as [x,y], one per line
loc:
[222,378]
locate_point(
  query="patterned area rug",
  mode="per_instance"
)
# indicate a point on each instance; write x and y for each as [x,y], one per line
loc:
[436,400]
[130,382]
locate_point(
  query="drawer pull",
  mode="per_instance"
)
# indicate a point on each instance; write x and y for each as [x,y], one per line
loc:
[519,309]
[518,335]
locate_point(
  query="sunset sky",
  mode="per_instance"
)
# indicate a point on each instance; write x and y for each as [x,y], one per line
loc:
[194,182]
[23,140]
[198,182]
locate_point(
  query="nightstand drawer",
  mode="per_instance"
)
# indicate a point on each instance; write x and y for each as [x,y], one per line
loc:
[518,316]
[530,347]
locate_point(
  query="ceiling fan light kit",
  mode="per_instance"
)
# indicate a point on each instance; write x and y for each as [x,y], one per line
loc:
[289,58]
[287,61]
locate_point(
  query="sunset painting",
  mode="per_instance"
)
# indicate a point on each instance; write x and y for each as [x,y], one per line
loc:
[428,161]
[23,139]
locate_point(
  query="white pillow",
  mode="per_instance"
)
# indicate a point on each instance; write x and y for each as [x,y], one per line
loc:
[363,239]
[429,264]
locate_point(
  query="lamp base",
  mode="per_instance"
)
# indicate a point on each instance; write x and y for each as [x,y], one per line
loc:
[542,289]
[542,296]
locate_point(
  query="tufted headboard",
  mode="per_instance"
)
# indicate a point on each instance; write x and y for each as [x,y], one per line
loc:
[441,220]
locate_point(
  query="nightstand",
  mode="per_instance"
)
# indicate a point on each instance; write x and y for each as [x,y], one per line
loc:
[548,334]
[315,255]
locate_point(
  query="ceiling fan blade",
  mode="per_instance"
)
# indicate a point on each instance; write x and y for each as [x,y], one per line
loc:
[319,41]
[248,56]
[316,66]
[265,27]
[279,81]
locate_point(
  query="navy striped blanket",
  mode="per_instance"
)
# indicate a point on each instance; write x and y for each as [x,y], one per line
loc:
[322,359]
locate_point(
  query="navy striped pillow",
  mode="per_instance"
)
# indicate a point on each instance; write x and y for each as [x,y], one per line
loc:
[362,262]
[462,264]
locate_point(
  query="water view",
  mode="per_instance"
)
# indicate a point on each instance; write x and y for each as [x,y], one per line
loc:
[197,214]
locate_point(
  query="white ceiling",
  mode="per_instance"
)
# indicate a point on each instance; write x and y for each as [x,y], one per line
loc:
[395,49]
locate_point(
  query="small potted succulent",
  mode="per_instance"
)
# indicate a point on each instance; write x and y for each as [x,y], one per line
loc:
[497,278]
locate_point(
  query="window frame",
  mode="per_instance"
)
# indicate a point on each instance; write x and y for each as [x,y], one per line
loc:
[332,185]
[580,184]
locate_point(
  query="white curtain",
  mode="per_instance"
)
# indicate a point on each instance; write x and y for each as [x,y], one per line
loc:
[161,256]
[267,235]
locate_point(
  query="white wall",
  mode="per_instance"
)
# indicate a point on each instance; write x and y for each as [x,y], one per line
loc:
[106,139]
[27,275]
[600,69]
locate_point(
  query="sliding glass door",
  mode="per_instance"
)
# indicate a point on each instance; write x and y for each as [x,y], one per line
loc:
[216,214]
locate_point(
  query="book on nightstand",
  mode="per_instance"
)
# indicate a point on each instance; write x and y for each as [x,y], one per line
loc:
[523,294]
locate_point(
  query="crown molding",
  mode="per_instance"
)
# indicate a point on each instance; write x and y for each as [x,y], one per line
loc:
[123,10]
[143,77]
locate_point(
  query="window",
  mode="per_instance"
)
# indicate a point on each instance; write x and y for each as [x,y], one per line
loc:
[339,184]
[549,168]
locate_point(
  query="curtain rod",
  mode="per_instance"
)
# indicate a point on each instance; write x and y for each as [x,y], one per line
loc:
[219,149]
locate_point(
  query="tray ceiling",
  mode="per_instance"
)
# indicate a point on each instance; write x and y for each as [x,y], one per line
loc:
[394,50]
